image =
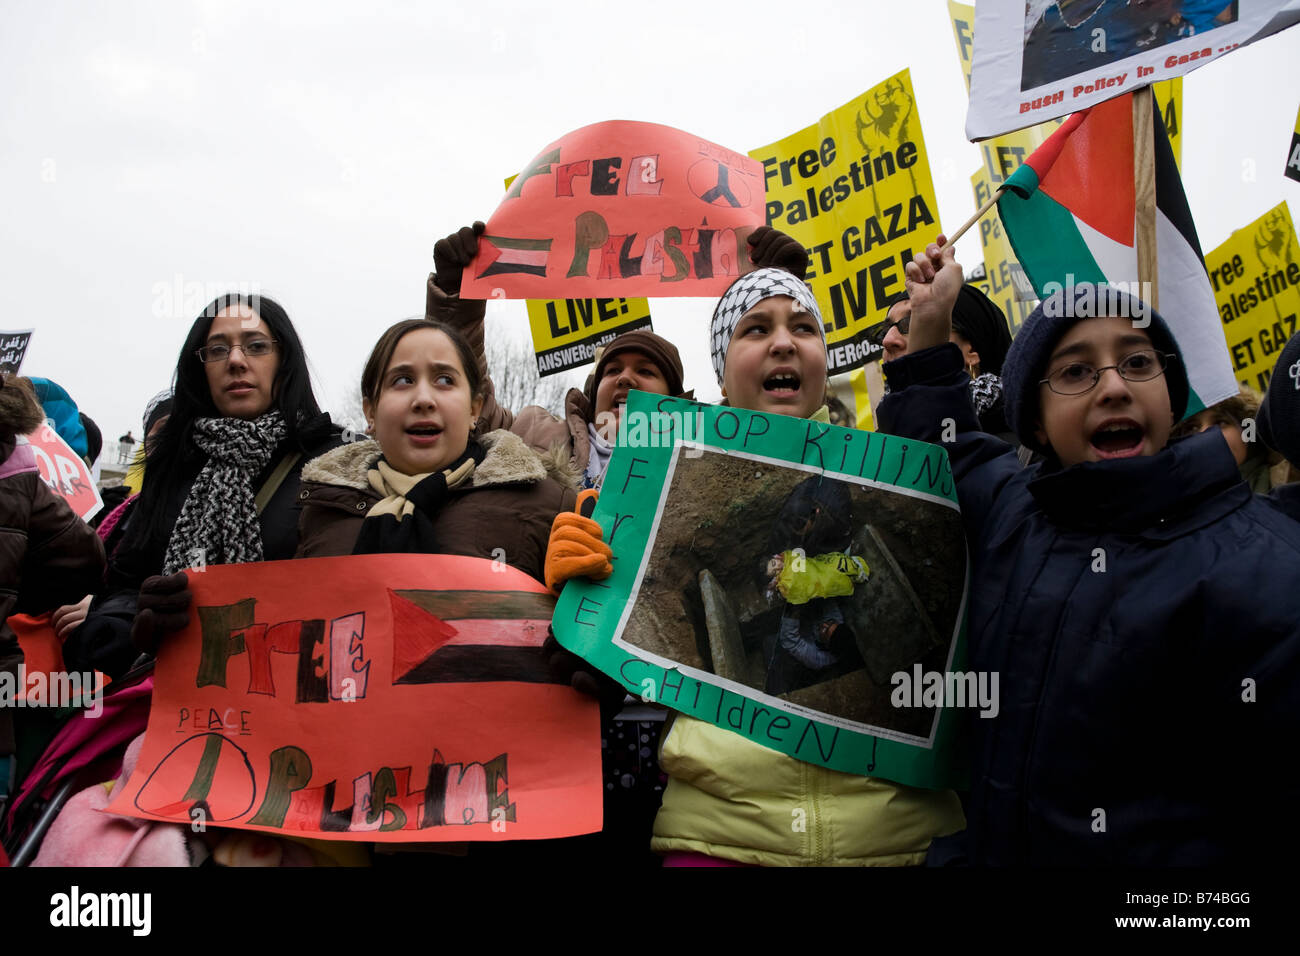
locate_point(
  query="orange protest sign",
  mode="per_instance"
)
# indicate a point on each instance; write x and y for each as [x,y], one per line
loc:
[621,209]
[43,679]
[63,470]
[387,698]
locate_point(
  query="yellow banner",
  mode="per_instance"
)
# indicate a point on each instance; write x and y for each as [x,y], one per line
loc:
[1293,157]
[963,31]
[1256,280]
[855,189]
[1169,100]
[567,332]
[1005,281]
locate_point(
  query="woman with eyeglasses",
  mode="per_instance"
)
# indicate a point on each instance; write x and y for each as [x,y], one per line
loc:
[221,480]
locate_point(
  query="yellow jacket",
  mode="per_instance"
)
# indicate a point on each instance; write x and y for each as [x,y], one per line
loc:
[823,576]
[731,798]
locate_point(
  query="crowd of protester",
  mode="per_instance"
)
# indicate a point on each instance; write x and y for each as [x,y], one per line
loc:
[1161,693]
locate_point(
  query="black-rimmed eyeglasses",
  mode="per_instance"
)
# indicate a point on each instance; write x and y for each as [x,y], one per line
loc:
[1079,377]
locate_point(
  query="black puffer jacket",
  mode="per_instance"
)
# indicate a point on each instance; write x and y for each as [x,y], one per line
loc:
[1143,617]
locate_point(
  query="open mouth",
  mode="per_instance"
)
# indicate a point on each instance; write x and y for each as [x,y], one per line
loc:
[781,383]
[421,434]
[1120,439]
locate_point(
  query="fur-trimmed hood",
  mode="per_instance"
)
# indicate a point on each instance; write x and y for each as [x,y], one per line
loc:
[509,461]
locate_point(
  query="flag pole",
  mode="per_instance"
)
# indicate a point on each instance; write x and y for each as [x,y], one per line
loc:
[1144,190]
[979,214]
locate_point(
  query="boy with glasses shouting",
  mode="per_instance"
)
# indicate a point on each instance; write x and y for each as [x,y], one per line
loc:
[1140,606]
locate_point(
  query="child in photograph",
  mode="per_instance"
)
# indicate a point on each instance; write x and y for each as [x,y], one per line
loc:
[811,572]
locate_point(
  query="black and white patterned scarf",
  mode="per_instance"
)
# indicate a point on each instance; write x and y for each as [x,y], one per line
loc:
[745,293]
[218,522]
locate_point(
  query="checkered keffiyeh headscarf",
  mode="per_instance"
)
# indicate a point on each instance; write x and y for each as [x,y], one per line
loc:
[745,293]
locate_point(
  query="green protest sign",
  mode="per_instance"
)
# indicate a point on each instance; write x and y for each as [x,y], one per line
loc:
[800,584]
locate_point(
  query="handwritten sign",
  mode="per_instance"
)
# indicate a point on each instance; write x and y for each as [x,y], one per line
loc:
[1256,280]
[13,347]
[390,698]
[43,655]
[1036,61]
[621,209]
[795,582]
[855,189]
[63,470]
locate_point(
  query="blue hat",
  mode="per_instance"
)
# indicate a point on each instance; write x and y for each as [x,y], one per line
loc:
[62,411]
[1026,360]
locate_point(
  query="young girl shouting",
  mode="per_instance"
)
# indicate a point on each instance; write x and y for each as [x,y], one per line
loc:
[728,798]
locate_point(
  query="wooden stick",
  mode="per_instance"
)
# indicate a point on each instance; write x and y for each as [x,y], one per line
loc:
[1144,189]
[979,214]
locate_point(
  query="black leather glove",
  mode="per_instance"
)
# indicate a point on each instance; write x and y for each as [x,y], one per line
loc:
[771,248]
[162,607]
[453,254]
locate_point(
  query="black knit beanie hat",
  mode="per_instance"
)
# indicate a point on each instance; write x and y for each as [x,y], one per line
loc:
[1026,360]
[655,347]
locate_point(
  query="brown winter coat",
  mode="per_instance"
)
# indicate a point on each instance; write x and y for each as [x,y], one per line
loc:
[48,556]
[504,512]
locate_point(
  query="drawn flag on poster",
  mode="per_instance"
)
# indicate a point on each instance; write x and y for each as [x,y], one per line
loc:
[385,698]
[1070,211]
[620,209]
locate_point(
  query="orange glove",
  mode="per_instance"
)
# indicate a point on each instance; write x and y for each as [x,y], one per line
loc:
[577,547]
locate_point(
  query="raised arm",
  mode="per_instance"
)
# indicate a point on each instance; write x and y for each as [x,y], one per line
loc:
[443,303]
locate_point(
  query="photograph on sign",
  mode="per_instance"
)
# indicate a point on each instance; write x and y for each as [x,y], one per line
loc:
[1035,61]
[1064,38]
[801,584]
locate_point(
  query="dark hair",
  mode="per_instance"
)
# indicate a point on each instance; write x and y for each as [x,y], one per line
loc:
[171,456]
[817,516]
[20,410]
[372,377]
[94,437]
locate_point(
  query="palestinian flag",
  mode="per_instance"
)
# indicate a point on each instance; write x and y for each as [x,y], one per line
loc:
[505,255]
[1070,212]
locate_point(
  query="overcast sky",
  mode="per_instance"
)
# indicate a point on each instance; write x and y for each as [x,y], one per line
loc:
[318,149]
